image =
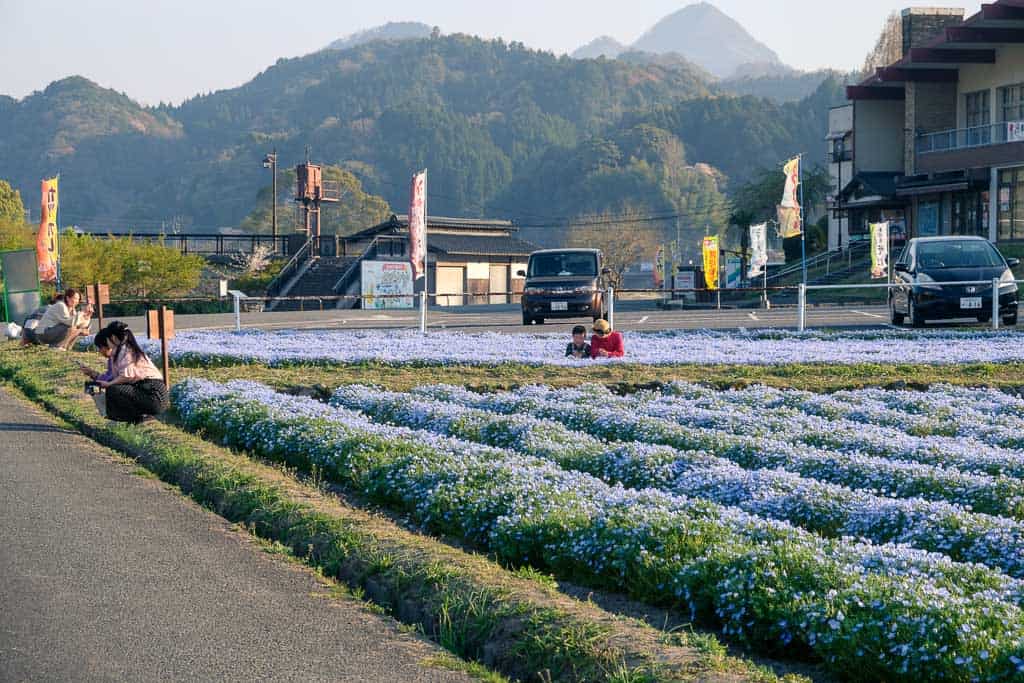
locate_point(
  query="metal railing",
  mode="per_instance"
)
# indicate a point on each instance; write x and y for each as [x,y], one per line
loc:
[290,269]
[825,258]
[967,138]
[205,244]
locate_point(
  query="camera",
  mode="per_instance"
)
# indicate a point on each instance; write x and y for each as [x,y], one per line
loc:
[93,388]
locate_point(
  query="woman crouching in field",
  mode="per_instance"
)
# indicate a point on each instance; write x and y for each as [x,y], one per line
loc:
[133,387]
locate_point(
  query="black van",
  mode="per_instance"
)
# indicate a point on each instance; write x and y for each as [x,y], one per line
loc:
[563,283]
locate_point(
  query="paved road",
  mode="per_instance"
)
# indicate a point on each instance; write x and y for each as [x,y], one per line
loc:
[107,576]
[628,317]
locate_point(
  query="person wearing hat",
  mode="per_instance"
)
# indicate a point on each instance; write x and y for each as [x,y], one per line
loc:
[605,343]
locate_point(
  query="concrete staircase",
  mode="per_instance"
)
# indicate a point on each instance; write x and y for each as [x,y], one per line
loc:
[318,280]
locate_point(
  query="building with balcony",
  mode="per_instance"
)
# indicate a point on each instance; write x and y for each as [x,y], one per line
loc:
[936,140]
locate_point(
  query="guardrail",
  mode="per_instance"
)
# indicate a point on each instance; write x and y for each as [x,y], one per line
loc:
[258,303]
[204,244]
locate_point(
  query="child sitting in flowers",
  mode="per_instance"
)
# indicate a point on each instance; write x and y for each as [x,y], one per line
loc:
[578,347]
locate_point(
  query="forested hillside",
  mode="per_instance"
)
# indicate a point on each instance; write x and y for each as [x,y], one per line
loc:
[504,130]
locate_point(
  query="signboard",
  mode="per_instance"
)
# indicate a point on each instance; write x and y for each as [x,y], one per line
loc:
[386,278]
[733,272]
[710,249]
[20,277]
[686,279]
[1015,131]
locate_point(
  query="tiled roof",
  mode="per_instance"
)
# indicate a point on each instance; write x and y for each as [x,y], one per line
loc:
[479,245]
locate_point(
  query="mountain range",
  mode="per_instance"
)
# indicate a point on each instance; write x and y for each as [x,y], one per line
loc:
[505,131]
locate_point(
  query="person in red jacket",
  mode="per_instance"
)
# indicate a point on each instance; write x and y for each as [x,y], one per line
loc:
[605,343]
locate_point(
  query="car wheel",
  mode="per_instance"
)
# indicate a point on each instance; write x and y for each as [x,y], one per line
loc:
[897,318]
[1010,320]
[527,320]
[539,321]
[915,319]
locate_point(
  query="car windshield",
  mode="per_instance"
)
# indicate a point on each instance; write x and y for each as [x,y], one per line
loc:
[565,264]
[957,254]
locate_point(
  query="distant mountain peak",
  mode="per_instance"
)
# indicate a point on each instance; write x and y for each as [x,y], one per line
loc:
[393,30]
[701,33]
[605,46]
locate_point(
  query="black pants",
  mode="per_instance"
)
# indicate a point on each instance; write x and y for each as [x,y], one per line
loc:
[132,402]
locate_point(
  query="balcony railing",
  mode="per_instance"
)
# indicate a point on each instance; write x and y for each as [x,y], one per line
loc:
[966,138]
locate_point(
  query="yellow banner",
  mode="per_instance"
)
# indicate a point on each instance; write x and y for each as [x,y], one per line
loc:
[789,222]
[711,261]
[46,241]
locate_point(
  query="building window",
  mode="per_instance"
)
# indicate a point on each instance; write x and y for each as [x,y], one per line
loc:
[1010,204]
[1012,101]
[978,111]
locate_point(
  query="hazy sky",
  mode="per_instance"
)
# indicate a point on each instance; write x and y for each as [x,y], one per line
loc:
[171,49]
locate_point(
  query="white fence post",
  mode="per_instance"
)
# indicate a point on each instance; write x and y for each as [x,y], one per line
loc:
[995,303]
[423,312]
[802,307]
[238,296]
[611,307]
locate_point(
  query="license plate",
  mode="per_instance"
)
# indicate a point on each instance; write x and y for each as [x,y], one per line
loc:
[564,305]
[970,303]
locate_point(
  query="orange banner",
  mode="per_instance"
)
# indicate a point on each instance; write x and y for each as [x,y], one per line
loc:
[46,242]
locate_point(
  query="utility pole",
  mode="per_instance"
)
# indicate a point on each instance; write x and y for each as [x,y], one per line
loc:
[270,161]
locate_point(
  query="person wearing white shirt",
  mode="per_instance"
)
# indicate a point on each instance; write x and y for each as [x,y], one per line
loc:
[62,323]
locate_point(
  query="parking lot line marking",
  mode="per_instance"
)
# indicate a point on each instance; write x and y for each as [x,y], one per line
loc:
[753,316]
[644,319]
[871,315]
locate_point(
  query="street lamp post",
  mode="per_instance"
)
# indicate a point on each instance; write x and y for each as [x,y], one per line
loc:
[270,161]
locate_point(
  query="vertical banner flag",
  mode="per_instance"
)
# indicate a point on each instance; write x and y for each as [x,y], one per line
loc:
[879,250]
[758,250]
[711,261]
[790,220]
[659,267]
[418,225]
[46,241]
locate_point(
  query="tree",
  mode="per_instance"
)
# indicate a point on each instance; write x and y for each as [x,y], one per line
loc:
[622,238]
[130,268]
[757,200]
[11,208]
[15,235]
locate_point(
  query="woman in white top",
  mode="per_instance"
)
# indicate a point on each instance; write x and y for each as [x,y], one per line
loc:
[134,387]
[61,325]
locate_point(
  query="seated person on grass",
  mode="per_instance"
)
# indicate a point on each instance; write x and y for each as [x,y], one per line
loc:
[578,347]
[605,343]
[61,324]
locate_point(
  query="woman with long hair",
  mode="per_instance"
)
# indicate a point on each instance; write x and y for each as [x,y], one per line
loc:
[134,388]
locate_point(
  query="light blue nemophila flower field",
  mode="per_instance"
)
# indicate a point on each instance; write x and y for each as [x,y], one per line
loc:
[761,347]
[873,612]
[828,509]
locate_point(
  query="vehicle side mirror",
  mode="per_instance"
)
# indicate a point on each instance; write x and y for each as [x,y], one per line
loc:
[901,268]
[520,273]
[1012,262]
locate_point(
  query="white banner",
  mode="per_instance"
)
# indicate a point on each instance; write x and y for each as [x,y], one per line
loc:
[758,250]
[388,279]
[879,251]
[1014,131]
[418,225]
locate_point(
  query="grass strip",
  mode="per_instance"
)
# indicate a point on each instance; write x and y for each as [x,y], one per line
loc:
[468,604]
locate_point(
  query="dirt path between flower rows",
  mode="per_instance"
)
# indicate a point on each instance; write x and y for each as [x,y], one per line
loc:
[111,576]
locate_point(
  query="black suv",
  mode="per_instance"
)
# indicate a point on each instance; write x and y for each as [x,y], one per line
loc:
[927,262]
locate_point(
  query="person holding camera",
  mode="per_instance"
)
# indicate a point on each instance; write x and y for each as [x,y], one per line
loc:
[62,323]
[132,389]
